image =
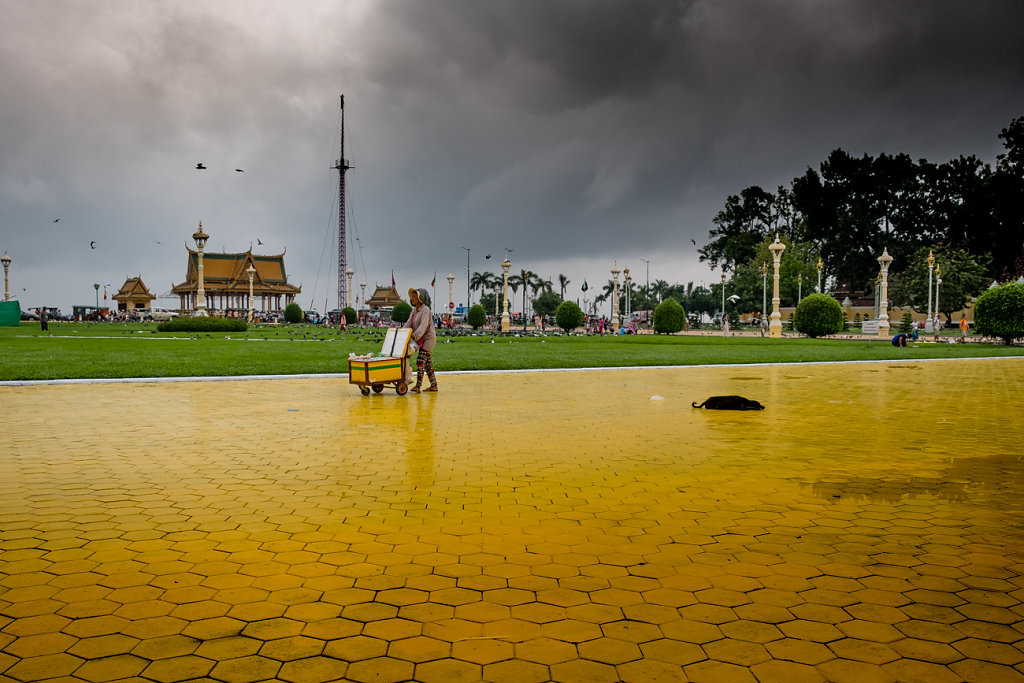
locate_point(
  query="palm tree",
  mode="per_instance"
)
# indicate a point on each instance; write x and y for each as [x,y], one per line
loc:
[480,281]
[563,282]
[660,289]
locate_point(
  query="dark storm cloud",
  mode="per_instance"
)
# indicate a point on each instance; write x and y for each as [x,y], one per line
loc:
[573,132]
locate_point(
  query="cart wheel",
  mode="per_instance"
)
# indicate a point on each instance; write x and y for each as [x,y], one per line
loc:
[365,391]
[402,388]
[377,388]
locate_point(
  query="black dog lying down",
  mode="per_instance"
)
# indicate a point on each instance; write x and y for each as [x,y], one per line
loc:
[729,403]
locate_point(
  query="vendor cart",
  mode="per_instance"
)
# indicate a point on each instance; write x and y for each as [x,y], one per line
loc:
[387,368]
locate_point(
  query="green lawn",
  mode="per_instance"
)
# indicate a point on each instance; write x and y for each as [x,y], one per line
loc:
[110,350]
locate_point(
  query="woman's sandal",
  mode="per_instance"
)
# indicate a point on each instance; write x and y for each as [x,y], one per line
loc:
[432,387]
[416,390]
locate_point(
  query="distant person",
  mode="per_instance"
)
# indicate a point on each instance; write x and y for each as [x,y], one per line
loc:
[422,324]
[764,325]
[43,320]
[725,325]
[964,326]
[913,330]
[937,326]
[900,340]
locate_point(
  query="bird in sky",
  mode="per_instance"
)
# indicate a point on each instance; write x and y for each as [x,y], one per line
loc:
[56,220]
[92,245]
[239,170]
[694,241]
[259,241]
[488,256]
[200,167]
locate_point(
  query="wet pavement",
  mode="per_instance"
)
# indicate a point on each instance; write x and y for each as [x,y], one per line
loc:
[534,526]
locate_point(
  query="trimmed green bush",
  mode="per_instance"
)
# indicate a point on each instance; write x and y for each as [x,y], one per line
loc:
[819,315]
[999,312]
[350,315]
[477,316]
[568,316]
[907,323]
[293,313]
[401,312]
[669,317]
[205,324]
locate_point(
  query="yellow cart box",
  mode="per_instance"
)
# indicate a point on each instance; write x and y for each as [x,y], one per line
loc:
[375,370]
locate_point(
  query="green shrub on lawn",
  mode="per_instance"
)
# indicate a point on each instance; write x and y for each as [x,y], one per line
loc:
[204,324]
[999,312]
[476,317]
[350,315]
[819,315]
[568,316]
[669,317]
[293,313]
[401,312]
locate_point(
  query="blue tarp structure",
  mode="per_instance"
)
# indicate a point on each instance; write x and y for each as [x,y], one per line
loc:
[10,313]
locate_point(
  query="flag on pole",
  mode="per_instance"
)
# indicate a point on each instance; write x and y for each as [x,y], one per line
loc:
[392,277]
[433,282]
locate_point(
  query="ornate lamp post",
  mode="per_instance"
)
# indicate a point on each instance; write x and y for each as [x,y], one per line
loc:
[929,325]
[764,288]
[820,264]
[629,280]
[883,305]
[200,237]
[6,260]
[506,323]
[250,271]
[451,300]
[348,274]
[938,281]
[775,326]
[362,300]
[96,286]
[615,297]
[723,298]
[799,288]
[647,285]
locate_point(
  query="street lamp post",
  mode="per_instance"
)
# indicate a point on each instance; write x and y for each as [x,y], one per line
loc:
[938,281]
[506,323]
[468,275]
[615,297]
[647,285]
[96,286]
[764,291]
[820,264]
[362,300]
[723,298]
[883,305]
[6,260]
[348,290]
[799,288]
[451,298]
[929,323]
[200,237]
[629,281]
[775,326]
[250,271]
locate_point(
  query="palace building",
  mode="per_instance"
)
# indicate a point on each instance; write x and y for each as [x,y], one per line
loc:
[226,282]
[133,294]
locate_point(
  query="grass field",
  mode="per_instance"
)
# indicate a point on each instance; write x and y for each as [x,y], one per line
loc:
[114,350]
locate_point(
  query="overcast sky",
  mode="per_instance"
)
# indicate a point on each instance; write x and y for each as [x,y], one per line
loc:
[574,133]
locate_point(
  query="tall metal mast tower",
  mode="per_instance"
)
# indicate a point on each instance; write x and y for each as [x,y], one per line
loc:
[341,166]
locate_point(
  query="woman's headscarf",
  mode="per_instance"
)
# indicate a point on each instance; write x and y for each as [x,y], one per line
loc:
[422,294]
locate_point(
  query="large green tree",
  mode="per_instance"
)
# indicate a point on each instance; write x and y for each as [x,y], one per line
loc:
[964,276]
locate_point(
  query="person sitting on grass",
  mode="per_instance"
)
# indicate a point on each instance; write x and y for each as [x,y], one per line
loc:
[900,340]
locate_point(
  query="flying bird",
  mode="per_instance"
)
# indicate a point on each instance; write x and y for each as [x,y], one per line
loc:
[694,242]
[239,170]
[259,241]
[92,245]
[56,220]
[488,256]
[200,167]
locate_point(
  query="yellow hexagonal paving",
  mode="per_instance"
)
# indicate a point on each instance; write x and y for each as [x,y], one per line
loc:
[578,525]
